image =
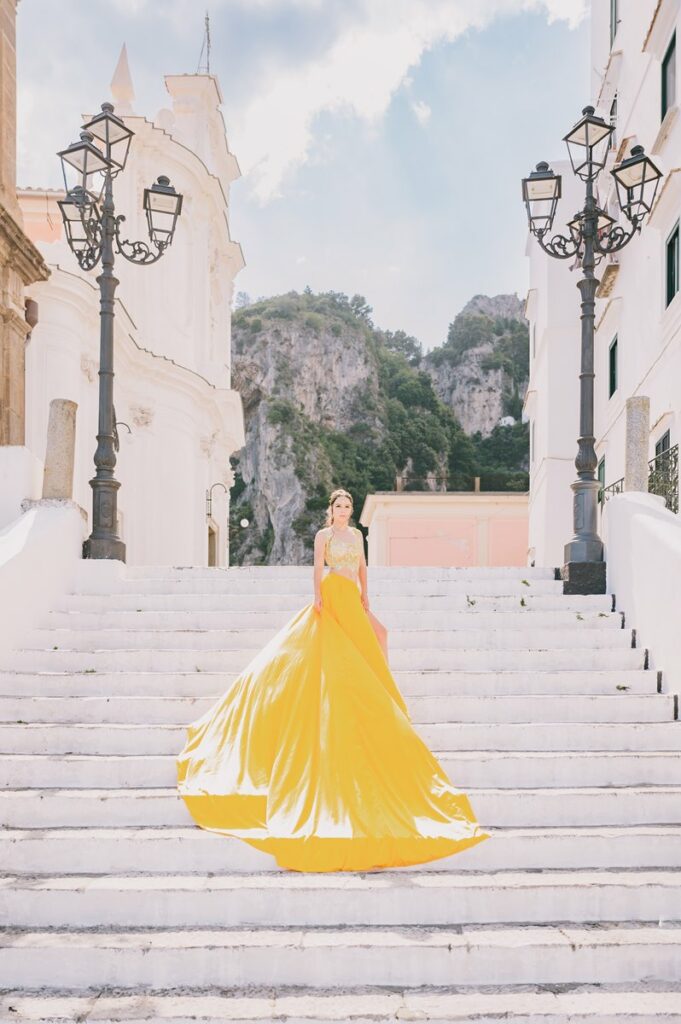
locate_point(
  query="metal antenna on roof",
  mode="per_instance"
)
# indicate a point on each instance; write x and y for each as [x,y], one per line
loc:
[204,65]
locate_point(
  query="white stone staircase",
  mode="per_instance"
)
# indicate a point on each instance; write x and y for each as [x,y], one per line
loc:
[114,906]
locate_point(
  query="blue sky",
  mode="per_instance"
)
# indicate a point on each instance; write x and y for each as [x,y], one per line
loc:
[382,142]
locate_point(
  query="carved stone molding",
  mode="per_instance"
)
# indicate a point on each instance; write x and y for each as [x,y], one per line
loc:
[142,415]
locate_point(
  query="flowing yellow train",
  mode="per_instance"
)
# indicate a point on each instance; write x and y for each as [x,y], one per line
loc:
[311,756]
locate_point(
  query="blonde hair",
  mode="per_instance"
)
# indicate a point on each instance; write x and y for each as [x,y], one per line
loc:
[338,493]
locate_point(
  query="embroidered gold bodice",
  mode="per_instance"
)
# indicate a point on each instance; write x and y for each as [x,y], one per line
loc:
[342,554]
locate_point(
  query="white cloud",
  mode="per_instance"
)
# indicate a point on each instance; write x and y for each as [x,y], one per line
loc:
[359,73]
[377,46]
[421,111]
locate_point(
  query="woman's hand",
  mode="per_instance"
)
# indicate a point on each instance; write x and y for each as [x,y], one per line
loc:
[365,602]
[318,603]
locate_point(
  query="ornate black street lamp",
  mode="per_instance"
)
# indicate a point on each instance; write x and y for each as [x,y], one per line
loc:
[93,231]
[593,235]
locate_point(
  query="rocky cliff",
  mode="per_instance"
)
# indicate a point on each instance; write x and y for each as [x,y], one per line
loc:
[481,371]
[330,400]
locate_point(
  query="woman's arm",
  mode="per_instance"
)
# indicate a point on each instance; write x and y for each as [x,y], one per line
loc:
[319,543]
[363,582]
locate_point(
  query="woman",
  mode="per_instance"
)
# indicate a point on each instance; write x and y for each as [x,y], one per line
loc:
[310,755]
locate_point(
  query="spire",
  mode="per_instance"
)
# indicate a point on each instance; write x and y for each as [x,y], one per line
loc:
[204,56]
[122,89]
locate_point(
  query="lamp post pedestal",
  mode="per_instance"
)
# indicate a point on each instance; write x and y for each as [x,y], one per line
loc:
[584,571]
[583,577]
[104,542]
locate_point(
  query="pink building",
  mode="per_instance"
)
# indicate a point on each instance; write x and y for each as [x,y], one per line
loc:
[446,529]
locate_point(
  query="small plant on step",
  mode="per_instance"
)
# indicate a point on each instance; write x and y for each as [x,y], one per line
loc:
[621,686]
[580,616]
[470,601]
[523,602]
[525,583]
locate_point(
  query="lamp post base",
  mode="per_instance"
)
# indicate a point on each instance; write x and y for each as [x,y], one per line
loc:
[104,547]
[583,577]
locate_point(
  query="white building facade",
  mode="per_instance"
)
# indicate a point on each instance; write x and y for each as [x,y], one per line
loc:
[178,418]
[638,306]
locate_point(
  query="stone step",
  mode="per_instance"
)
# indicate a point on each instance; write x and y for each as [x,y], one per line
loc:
[339,958]
[397,573]
[222,640]
[258,619]
[144,849]
[627,805]
[376,899]
[436,710]
[302,586]
[163,660]
[394,601]
[411,684]
[30,738]
[490,769]
[603,1004]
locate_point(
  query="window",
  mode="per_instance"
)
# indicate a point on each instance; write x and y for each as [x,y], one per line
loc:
[662,445]
[600,475]
[612,368]
[613,122]
[669,77]
[613,20]
[672,265]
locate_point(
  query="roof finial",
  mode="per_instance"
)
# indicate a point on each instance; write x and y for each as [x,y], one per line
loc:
[204,64]
[122,88]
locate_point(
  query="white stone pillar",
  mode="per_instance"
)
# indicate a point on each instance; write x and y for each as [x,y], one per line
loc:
[59,455]
[637,437]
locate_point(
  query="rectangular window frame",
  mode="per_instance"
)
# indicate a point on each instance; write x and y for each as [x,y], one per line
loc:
[671,265]
[663,444]
[668,78]
[612,367]
[613,123]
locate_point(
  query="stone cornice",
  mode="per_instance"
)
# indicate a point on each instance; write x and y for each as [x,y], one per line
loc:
[26,258]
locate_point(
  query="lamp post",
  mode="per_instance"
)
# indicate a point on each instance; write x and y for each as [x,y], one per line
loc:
[93,232]
[593,234]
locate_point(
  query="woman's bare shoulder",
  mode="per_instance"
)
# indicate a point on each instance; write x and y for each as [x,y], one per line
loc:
[323,531]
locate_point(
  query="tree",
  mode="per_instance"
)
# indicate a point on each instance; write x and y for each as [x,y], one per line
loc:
[362,309]
[400,341]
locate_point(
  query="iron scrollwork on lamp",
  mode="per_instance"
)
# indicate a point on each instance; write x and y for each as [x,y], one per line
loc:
[93,232]
[593,234]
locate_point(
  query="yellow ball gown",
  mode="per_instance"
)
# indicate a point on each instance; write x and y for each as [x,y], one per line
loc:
[310,755]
